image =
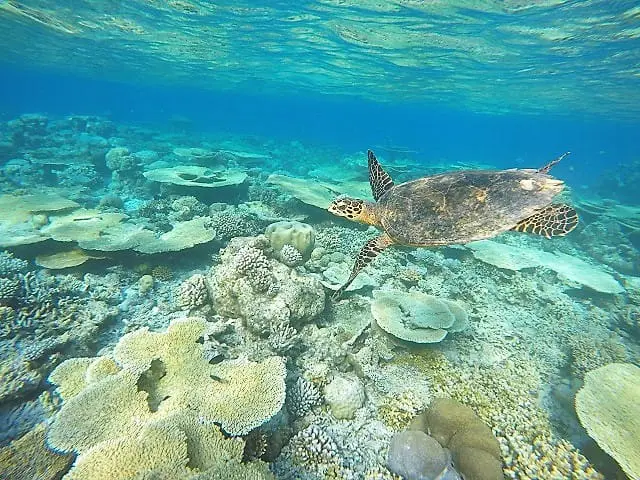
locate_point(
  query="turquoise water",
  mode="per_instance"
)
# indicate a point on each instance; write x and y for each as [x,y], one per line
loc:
[148,152]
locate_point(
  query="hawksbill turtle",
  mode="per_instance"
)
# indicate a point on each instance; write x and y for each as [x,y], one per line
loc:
[456,208]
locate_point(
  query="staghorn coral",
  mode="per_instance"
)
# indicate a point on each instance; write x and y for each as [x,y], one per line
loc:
[302,397]
[52,317]
[193,293]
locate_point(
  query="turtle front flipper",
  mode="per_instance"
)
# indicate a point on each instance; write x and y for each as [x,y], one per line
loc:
[552,221]
[550,165]
[370,250]
[379,180]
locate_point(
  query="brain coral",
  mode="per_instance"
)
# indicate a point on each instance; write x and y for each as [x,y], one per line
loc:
[475,450]
[608,406]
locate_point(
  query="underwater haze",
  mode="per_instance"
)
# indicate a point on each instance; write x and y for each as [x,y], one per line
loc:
[331,239]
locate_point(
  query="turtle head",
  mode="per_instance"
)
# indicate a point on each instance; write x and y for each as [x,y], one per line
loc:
[353,209]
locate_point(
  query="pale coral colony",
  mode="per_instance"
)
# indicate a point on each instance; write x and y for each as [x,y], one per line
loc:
[164,313]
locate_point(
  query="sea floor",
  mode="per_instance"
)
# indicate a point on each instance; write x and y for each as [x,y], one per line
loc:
[112,230]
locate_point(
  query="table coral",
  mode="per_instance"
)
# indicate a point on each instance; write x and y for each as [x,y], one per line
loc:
[415,316]
[140,412]
[29,458]
[608,408]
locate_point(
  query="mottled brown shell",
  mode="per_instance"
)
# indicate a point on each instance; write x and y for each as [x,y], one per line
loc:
[463,206]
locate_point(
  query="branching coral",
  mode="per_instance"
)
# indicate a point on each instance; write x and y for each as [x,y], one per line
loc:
[252,263]
[263,292]
[193,292]
[302,397]
[290,256]
[283,338]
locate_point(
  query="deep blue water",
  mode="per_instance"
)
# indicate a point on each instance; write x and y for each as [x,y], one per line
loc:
[434,132]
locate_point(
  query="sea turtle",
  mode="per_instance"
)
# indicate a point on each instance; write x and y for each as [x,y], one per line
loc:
[456,207]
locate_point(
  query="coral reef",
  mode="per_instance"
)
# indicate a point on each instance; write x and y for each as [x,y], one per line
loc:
[138,410]
[203,399]
[263,291]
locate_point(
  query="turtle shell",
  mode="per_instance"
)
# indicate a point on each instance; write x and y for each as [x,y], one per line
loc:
[463,206]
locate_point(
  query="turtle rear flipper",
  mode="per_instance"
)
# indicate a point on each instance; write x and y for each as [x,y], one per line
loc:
[379,180]
[370,251]
[552,221]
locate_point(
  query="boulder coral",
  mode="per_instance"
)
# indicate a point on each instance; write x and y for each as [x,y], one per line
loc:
[237,287]
[475,450]
[297,234]
[158,407]
[414,455]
